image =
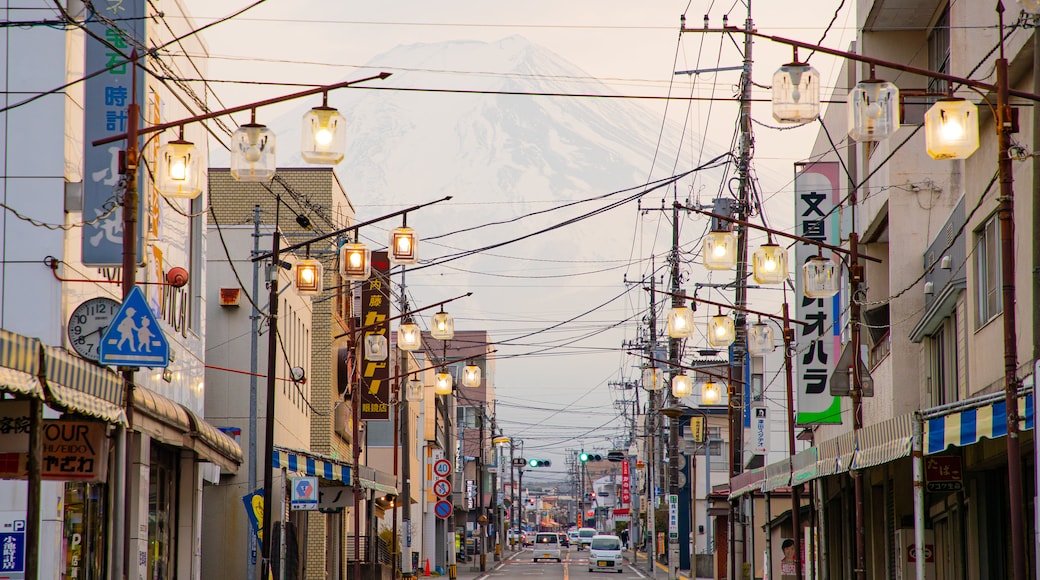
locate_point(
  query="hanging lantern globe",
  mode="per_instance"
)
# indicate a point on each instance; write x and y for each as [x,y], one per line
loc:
[769,264]
[951,129]
[442,383]
[760,339]
[409,337]
[377,348]
[355,262]
[310,275]
[682,386]
[873,110]
[719,250]
[403,246]
[442,326]
[721,331]
[796,93]
[651,378]
[324,136]
[252,153]
[711,393]
[680,322]
[471,376]
[820,278]
[177,172]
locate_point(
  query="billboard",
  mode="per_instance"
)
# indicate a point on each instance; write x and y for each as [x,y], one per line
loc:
[375,309]
[817,343]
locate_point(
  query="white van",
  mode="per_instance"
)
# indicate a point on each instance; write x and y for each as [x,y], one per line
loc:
[585,536]
[605,553]
[546,546]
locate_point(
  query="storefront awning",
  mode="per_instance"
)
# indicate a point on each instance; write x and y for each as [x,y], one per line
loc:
[312,464]
[803,466]
[883,442]
[745,482]
[161,409]
[77,386]
[777,475]
[835,455]
[970,425]
[20,361]
[211,444]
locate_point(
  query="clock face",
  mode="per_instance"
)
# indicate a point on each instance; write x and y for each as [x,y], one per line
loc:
[88,324]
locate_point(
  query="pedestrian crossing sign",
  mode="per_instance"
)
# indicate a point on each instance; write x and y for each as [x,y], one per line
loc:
[134,337]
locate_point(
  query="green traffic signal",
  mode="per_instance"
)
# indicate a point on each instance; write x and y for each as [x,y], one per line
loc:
[583,457]
[532,462]
[539,463]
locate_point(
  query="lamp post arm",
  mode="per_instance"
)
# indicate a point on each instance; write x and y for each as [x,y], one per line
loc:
[721,305]
[238,109]
[755,226]
[351,228]
[869,60]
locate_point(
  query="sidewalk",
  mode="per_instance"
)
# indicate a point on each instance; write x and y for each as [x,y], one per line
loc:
[639,561]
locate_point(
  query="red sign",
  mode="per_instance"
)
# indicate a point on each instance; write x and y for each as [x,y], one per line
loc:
[943,473]
[626,483]
[375,309]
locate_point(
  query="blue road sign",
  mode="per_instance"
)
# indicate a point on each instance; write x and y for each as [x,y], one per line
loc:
[12,554]
[443,509]
[134,337]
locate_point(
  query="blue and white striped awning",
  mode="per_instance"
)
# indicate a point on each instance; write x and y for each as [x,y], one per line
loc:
[311,464]
[969,426]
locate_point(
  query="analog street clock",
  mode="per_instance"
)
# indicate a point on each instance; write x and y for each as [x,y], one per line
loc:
[88,324]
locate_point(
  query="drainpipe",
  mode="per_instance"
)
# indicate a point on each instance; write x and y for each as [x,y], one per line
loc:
[917,458]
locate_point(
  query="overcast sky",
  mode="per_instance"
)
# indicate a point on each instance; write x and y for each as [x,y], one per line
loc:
[634,47]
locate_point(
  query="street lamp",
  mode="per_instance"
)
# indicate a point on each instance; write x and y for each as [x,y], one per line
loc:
[471,376]
[403,246]
[323,140]
[951,129]
[760,339]
[820,278]
[252,152]
[719,250]
[651,378]
[796,92]
[682,386]
[377,348]
[721,330]
[409,337]
[442,383]
[873,112]
[680,322]
[711,393]
[442,326]
[355,262]
[769,263]
[177,170]
[309,277]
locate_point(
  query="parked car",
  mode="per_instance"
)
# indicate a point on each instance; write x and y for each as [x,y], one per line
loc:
[605,553]
[547,546]
[585,537]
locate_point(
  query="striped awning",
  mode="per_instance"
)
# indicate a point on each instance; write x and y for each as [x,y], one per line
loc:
[20,365]
[886,441]
[745,482]
[311,464]
[160,408]
[835,455]
[970,425]
[77,386]
[804,466]
[777,475]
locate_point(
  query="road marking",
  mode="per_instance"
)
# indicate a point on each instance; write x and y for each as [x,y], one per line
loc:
[566,571]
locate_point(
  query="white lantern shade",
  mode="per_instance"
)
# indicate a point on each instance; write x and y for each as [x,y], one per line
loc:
[442,384]
[355,262]
[413,391]
[873,110]
[769,264]
[177,171]
[471,376]
[377,348]
[651,378]
[682,386]
[796,93]
[760,339]
[820,278]
[711,393]
[324,136]
[719,250]
[310,276]
[680,322]
[442,326]
[721,331]
[252,153]
[403,246]
[409,337]
[951,129]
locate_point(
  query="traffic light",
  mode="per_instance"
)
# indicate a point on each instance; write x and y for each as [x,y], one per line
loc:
[584,457]
[539,463]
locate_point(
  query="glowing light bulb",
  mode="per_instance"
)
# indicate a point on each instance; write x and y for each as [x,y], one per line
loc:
[307,275]
[404,245]
[874,111]
[178,169]
[680,323]
[355,260]
[720,331]
[720,251]
[441,325]
[769,264]
[952,129]
[323,137]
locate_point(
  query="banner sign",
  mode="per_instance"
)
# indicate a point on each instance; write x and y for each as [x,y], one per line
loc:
[818,342]
[106,98]
[72,451]
[375,308]
[626,482]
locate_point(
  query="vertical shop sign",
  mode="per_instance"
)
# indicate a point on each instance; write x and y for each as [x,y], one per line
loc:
[106,97]
[626,482]
[12,545]
[818,342]
[375,306]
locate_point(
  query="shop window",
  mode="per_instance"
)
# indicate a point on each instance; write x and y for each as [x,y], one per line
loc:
[83,531]
[162,513]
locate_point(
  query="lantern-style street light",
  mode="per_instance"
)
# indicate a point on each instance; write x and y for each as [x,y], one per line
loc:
[682,386]
[310,276]
[323,140]
[355,262]
[721,330]
[178,170]
[253,152]
[719,250]
[403,246]
[651,378]
[471,376]
[680,322]
[951,129]
[760,339]
[409,337]
[873,110]
[796,92]
[442,326]
[769,264]
[442,383]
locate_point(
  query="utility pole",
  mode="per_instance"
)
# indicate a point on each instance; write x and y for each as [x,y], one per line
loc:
[482,517]
[674,543]
[651,417]
[254,339]
[406,444]
[739,348]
